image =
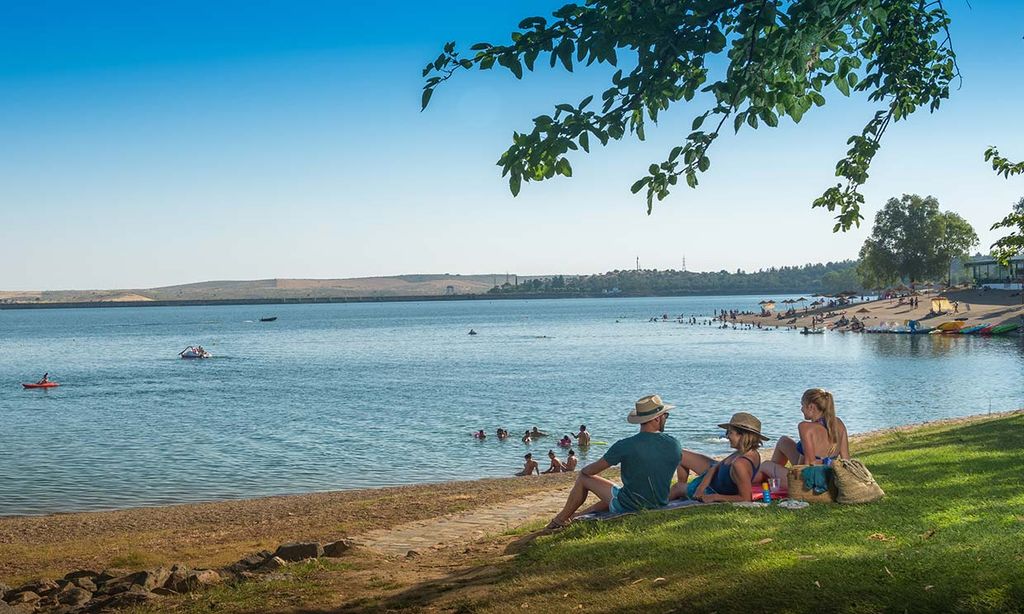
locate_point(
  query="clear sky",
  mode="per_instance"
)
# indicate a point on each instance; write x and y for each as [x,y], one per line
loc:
[155,143]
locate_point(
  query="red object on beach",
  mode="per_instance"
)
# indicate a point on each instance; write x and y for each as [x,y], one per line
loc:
[758,494]
[987,330]
[45,385]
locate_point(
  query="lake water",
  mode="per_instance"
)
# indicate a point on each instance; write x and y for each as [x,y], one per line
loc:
[345,396]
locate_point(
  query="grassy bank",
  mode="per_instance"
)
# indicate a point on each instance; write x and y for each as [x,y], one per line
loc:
[948,537]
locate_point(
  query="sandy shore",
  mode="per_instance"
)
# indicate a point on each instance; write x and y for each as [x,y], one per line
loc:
[215,534]
[992,307]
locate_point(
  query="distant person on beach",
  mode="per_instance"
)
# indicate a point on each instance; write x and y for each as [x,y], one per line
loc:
[729,479]
[527,438]
[583,437]
[822,437]
[556,465]
[571,461]
[531,466]
[648,460]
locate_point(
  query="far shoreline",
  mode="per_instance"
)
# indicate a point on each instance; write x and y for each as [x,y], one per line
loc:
[371,299]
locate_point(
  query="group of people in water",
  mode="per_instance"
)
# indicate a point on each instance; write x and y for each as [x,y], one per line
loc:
[651,458]
[531,467]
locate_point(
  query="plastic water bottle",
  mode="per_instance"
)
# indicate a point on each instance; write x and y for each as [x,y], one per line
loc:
[766,492]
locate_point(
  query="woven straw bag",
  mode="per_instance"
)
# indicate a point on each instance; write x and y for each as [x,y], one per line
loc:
[798,491]
[854,482]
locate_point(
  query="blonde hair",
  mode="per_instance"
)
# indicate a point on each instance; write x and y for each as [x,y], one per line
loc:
[748,441]
[823,400]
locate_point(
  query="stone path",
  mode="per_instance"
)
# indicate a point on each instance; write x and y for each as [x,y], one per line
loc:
[463,528]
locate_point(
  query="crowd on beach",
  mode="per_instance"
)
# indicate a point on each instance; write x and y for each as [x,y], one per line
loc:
[650,459]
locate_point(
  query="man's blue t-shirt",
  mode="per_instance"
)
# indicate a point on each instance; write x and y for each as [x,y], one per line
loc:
[649,461]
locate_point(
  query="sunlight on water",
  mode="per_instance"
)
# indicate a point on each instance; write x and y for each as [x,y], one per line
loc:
[361,395]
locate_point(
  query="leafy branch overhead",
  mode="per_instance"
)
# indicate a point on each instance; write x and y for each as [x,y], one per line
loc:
[778,59]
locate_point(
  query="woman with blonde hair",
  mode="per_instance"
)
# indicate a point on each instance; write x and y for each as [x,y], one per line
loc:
[823,436]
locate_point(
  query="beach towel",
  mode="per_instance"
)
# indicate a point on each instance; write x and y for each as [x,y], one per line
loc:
[672,505]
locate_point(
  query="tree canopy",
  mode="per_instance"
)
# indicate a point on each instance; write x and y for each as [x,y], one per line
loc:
[778,59]
[913,240]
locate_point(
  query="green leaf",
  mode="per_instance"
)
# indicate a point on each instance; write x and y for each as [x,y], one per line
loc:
[427,93]
[563,167]
[586,101]
[704,163]
[585,141]
[639,185]
[842,85]
[514,183]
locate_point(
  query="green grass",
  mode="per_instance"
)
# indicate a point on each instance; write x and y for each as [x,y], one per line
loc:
[295,585]
[949,536]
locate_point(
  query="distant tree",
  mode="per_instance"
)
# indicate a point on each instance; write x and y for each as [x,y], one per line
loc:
[912,239]
[841,281]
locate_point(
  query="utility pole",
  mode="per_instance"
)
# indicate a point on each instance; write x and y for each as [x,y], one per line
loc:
[684,264]
[638,263]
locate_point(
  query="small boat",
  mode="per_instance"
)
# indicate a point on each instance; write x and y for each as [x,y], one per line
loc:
[472,332]
[42,385]
[1003,329]
[812,332]
[970,330]
[270,319]
[192,352]
[953,326]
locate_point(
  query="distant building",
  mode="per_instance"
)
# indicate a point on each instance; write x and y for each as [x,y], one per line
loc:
[987,272]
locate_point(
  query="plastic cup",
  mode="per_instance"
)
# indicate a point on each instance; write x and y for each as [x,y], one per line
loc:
[773,485]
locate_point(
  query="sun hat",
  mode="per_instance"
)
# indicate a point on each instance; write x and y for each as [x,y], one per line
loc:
[745,422]
[647,408]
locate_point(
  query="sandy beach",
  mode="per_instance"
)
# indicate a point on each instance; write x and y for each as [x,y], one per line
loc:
[978,307]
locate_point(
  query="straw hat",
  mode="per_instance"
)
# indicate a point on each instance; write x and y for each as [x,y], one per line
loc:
[745,422]
[648,408]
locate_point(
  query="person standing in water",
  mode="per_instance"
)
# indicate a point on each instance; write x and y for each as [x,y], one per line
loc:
[583,437]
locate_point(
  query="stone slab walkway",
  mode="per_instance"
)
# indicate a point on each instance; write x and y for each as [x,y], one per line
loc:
[463,528]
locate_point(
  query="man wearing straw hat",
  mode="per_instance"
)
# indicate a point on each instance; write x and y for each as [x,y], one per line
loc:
[649,460]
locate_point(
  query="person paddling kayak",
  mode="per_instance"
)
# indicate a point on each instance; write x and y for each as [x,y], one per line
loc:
[45,379]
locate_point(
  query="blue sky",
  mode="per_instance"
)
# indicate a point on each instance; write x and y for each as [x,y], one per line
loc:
[148,143]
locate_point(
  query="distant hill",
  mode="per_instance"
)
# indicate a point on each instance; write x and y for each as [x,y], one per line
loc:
[400,285]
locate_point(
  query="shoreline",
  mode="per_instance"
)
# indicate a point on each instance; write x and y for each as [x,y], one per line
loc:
[216,533]
[364,299]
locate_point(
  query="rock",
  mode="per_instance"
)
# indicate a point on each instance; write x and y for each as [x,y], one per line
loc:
[39,587]
[164,592]
[85,582]
[412,554]
[23,608]
[197,579]
[299,551]
[74,596]
[145,580]
[109,574]
[23,597]
[338,548]
[4,589]
[81,573]
[273,564]
[250,562]
[133,597]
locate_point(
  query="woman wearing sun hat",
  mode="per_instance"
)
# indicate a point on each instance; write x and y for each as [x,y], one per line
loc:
[729,479]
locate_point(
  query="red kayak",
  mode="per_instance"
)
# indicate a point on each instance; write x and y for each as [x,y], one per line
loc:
[46,385]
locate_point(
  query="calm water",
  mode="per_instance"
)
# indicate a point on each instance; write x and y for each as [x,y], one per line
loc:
[348,396]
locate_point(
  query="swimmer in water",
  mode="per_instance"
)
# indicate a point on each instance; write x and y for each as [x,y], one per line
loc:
[570,462]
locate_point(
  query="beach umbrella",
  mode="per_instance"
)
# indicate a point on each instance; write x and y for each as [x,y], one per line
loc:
[801,300]
[863,310]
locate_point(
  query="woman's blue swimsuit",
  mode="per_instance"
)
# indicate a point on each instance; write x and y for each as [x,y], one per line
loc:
[722,483]
[800,444]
